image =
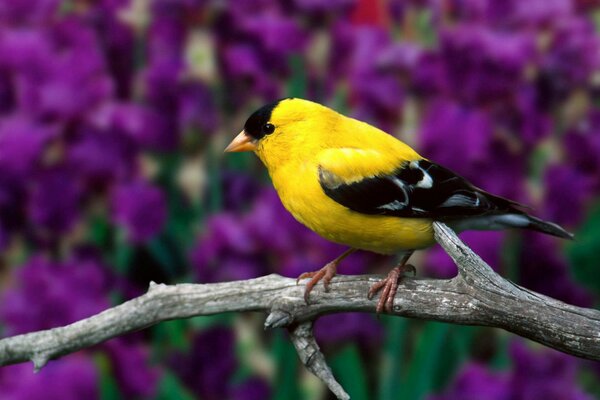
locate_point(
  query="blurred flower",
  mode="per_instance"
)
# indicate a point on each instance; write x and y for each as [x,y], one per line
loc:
[12,209]
[470,130]
[582,148]
[47,294]
[265,239]
[209,364]
[254,48]
[535,374]
[251,389]
[475,381]
[543,269]
[133,125]
[140,208]
[22,143]
[567,193]
[572,56]
[376,90]
[357,328]
[483,65]
[319,10]
[227,252]
[129,363]
[101,157]
[197,109]
[490,161]
[487,245]
[71,378]
[239,190]
[54,201]
[546,373]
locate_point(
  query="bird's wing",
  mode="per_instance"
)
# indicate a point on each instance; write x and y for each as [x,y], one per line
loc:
[417,188]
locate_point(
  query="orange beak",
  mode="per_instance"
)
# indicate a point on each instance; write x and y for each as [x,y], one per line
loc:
[242,142]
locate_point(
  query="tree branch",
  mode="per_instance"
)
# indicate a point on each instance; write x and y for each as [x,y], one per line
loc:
[476,296]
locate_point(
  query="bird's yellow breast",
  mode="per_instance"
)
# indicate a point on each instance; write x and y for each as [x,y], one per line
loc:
[301,194]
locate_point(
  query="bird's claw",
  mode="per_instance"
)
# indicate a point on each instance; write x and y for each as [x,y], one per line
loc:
[325,274]
[389,287]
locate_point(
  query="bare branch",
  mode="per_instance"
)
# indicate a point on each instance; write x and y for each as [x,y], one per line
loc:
[310,354]
[476,296]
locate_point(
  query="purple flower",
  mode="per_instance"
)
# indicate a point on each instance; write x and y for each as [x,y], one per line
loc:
[582,148]
[42,294]
[490,161]
[12,205]
[544,373]
[129,362]
[243,68]
[375,69]
[483,65]
[535,374]
[22,143]
[72,81]
[544,270]
[567,194]
[354,327]
[227,252]
[24,12]
[70,378]
[265,239]
[197,108]
[254,46]
[208,366]
[572,56]
[251,389]
[539,12]
[54,201]
[238,189]
[474,382]
[316,6]
[275,35]
[140,208]
[131,124]
[488,245]
[101,157]
[470,130]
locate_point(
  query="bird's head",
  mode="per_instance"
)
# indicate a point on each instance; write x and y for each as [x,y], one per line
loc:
[285,129]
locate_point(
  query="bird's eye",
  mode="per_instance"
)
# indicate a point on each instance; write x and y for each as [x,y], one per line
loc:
[268,128]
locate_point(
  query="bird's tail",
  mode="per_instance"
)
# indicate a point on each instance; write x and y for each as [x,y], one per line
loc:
[550,228]
[514,219]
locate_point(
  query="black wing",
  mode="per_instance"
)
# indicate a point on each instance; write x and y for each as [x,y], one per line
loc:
[416,189]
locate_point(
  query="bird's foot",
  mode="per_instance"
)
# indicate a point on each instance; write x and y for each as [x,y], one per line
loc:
[326,274]
[389,287]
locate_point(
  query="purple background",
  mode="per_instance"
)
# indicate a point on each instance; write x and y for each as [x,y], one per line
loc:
[113,118]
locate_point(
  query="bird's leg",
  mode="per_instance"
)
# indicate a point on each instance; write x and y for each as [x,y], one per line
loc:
[326,274]
[390,284]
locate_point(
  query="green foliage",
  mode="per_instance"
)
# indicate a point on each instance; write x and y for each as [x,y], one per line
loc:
[171,388]
[285,386]
[583,251]
[349,369]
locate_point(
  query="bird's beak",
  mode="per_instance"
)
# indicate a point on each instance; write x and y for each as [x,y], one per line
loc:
[242,142]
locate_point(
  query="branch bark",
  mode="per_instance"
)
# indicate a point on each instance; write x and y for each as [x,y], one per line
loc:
[476,296]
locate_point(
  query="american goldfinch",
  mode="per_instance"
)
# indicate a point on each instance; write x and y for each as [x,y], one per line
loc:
[356,185]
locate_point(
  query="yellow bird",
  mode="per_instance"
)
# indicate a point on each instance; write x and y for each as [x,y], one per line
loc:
[356,185]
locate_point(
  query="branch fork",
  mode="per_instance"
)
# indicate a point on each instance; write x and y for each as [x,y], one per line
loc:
[476,296]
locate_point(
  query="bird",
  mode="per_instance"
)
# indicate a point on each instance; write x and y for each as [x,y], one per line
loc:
[358,186]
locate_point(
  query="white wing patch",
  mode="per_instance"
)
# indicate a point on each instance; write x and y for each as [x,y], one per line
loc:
[426,182]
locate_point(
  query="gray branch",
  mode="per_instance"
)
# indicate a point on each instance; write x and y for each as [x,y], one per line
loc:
[476,296]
